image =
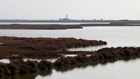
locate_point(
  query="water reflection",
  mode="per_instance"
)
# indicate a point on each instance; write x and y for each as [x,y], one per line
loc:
[85,70]
[27,76]
[126,69]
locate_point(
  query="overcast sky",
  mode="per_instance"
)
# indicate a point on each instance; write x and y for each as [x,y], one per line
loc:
[76,9]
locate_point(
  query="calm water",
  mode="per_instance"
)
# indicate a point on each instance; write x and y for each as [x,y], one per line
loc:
[115,36]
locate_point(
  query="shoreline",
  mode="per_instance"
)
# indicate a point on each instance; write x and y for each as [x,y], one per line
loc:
[39,26]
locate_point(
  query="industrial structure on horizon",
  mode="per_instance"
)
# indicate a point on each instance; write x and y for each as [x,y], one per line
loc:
[64,19]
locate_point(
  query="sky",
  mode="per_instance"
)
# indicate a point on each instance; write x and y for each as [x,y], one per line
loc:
[75,9]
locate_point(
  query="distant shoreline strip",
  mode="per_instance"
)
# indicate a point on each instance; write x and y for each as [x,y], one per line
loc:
[39,26]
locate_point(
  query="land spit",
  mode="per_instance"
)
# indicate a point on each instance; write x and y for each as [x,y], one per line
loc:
[39,26]
[41,47]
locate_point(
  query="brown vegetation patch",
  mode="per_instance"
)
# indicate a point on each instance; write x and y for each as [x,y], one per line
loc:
[42,47]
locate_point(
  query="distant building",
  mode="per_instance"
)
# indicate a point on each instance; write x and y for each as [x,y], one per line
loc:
[64,19]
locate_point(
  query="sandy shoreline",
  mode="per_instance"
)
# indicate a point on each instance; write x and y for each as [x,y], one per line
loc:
[41,26]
